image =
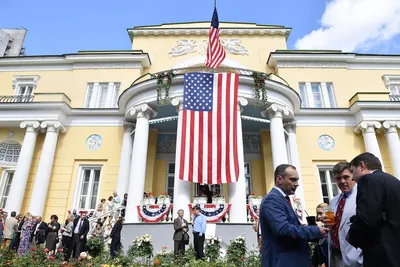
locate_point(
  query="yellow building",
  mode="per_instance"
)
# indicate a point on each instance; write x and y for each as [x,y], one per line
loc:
[76,127]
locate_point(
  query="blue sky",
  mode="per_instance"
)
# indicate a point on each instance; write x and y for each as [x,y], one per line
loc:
[57,27]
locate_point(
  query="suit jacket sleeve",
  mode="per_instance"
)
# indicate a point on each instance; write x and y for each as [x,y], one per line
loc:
[275,214]
[177,225]
[86,228]
[113,231]
[369,212]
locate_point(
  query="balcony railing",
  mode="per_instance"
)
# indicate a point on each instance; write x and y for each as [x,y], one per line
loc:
[181,71]
[16,98]
[395,98]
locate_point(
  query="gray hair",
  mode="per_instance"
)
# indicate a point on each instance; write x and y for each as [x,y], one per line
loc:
[180,210]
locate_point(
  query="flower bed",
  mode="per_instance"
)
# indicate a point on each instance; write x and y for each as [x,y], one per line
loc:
[141,253]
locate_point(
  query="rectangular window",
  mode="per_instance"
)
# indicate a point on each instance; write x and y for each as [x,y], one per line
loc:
[247,175]
[329,187]
[88,187]
[5,189]
[25,89]
[102,95]
[317,95]
[170,179]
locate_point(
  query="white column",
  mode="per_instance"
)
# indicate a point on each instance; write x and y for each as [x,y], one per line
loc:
[295,160]
[181,188]
[138,163]
[278,143]
[125,160]
[43,173]
[370,141]
[17,189]
[237,191]
[393,142]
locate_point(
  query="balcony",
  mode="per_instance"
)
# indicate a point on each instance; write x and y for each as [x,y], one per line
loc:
[394,98]
[16,99]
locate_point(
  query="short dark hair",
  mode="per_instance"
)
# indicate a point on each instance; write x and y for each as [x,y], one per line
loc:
[281,169]
[110,198]
[55,217]
[103,199]
[340,167]
[369,159]
[13,214]
[196,207]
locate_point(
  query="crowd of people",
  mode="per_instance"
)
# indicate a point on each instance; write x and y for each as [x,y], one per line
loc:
[20,233]
[363,230]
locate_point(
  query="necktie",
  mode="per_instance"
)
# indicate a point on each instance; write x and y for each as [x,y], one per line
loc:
[288,200]
[338,218]
[80,225]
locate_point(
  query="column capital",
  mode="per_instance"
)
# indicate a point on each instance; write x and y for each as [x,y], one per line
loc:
[178,103]
[290,126]
[242,102]
[390,126]
[143,111]
[53,126]
[128,127]
[367,127]
[275,111]
[31,126]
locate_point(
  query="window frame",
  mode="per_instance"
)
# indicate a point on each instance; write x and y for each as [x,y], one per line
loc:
[324,95]
[24,80]
[249,175]
[167,175]
[111,95]
[327,169]
[78,185]
[4,178]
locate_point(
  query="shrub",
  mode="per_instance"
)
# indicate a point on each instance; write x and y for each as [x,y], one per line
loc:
[95,246]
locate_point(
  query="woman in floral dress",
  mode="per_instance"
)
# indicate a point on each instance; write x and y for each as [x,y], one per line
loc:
[26,234]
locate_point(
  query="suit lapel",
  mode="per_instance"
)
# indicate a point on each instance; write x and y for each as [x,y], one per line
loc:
[287,205]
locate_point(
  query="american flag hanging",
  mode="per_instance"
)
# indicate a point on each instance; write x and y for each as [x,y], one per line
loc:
[215,51]
[207,139]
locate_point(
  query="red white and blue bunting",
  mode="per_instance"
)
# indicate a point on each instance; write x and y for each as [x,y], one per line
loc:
[153,213]
[253,210]
[213,212]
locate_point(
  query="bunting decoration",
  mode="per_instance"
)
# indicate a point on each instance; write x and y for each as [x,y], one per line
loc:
[213,212]
[253,210]
[153,213]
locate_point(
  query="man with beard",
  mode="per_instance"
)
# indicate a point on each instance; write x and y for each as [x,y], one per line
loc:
[284,238]
[376,226]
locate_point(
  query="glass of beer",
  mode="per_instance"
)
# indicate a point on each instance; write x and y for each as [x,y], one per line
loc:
[330,216]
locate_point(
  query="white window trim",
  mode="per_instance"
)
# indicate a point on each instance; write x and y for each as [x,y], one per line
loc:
[5,173]
[327,169]
[78,184]
[324,95]
[94,102]
[20,80]
[169,174]
[250,176]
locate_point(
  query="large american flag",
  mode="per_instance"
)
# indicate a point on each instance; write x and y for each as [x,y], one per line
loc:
[207,139]
[215,51]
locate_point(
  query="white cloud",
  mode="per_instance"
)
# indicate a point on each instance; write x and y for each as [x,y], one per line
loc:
[351,25]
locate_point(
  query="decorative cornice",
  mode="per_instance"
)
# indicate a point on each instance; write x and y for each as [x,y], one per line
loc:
[275,111]
[122,65]
[368,127]
[290,126]
[165,119]
[143,111]
[206,31]
[34,79]
[31,126]
[309,64]
[53,126]
[390,126]
[391,80]
[248,118]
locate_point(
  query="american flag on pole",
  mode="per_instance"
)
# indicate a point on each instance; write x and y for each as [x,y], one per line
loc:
[207,139]
[215,51]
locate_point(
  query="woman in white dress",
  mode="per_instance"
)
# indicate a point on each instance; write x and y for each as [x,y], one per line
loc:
[107,208]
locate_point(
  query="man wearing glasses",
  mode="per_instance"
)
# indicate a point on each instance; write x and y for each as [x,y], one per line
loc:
[344,205]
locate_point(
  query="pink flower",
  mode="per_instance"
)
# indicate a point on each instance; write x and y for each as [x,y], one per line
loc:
[46,250]
[60,250]
[51,258]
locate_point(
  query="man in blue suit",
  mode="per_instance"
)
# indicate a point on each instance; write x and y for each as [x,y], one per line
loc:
[284,239]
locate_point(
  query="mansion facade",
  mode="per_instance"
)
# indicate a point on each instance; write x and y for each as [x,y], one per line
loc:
[74,128]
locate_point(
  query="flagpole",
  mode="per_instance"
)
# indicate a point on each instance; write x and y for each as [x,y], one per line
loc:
[215,3]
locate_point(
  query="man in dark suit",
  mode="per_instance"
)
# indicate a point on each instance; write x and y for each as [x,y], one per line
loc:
[38,235]
[181,228]
[81,229]
[284,239]
[116,237]
[376,226]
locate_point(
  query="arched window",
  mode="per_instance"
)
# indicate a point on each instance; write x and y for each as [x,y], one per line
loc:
[9,153]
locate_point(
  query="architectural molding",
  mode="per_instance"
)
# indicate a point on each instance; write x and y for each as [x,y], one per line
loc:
[275,111]
[53,126]
[390,126]
[326,64]
[31,126]
[391,80]
[200,60]
[290,126]
[188,46]
[129,127]
[368,127]
[24,79]
[248,118]
[80,66]
[142,111]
